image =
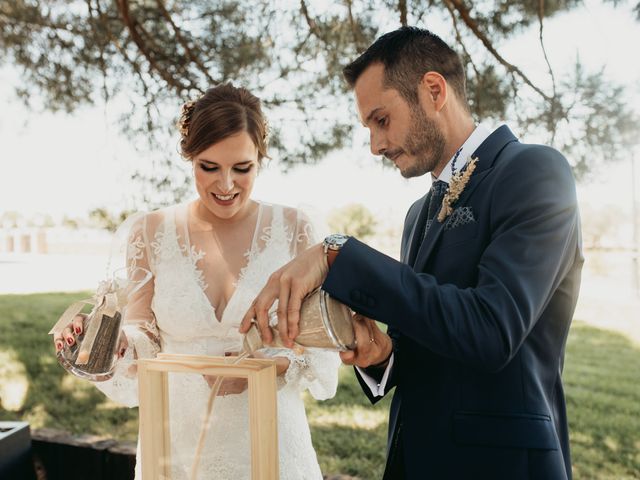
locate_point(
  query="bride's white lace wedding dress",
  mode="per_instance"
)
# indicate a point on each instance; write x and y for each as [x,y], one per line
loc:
[174,313]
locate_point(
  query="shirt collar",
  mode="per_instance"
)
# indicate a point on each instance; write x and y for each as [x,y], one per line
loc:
[470,145]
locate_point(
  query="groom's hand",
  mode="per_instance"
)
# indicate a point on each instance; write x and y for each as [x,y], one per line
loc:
[289,285]
[374,347]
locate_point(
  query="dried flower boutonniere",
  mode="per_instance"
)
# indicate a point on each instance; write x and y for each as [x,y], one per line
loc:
[457,184]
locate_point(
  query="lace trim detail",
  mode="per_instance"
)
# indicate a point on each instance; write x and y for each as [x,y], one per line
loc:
[167,245]
[136,251]
[251,256]
[195,256]
[298,373]
[256,276]
[306,235]
[308,371]
[266,234]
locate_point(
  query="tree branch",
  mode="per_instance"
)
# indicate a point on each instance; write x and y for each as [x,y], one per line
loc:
[182,41]
[174,63]
[516,98]
[134,65]
[402,8]
[313,26]
[132,27]
[357,38]
[473,26]
[555,103]
[454,21]
[544,50]
[101,46]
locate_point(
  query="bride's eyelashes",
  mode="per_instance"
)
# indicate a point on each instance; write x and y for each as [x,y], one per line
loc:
[206,168]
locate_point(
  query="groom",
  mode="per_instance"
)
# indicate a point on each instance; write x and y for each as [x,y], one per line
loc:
[479,307]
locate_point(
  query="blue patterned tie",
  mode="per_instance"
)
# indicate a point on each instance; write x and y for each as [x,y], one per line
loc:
[438,189]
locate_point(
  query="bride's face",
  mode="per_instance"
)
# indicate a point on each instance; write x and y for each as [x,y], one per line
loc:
[224,174]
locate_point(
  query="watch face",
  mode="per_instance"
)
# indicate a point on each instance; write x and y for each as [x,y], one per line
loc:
[335,241]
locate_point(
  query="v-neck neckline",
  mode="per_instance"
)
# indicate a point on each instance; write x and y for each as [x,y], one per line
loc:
[249,254]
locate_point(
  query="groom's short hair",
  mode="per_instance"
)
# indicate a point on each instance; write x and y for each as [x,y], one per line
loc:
[407,54]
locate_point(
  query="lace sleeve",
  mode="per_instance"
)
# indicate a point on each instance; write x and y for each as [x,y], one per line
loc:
[139,320]
[306,232]
[315,369]
[139,323]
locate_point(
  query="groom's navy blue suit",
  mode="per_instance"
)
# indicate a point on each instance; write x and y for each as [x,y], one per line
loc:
[479,316]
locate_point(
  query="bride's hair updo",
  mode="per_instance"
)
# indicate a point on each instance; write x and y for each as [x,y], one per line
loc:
[221,112]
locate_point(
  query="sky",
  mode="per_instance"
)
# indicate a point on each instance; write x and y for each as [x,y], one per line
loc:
[63,164]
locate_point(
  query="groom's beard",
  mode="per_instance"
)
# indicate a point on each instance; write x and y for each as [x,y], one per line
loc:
[425,142]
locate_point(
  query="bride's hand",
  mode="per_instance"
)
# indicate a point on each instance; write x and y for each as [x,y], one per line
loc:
[282,363]
[229,386]
[70,332]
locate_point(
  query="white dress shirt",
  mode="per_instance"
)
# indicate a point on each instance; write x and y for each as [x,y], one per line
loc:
[470,145]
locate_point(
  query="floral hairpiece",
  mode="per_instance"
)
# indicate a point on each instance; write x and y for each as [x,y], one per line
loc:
[267,131]
[185,117]
[457,185]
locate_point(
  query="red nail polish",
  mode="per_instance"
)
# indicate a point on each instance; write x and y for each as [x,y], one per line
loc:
[78,330]
[70,341]
[59,346]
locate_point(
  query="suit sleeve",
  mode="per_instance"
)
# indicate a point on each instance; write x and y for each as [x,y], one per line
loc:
[534,241]
[410,218]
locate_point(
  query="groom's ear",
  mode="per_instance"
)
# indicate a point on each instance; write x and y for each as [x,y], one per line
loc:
[433,90]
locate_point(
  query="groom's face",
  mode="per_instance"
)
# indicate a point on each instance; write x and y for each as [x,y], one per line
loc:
[401,132]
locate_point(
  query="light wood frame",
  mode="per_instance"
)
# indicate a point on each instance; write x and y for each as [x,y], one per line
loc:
[154,409]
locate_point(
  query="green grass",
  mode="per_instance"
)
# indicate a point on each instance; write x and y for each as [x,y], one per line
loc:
[602,385]
[349,434]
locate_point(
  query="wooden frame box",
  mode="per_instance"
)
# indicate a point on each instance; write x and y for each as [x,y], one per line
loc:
[155,441]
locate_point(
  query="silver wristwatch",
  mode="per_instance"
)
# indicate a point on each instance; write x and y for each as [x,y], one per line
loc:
[334,242]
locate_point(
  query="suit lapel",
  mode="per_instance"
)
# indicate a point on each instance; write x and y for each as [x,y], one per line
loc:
[437,227]
[414,240]
[486,153]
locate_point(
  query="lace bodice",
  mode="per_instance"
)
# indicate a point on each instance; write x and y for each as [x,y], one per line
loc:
[173,313]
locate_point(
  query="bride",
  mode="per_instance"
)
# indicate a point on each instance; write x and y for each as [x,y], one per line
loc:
[209,259]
